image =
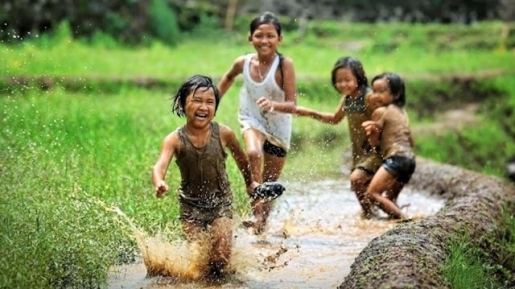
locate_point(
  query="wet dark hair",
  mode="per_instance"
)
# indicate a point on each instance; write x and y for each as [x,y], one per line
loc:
[266,18]
[190,86]
[269,18]
[396,86]
[356,68]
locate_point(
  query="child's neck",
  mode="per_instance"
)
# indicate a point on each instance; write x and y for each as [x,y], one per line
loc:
[356,93]
[198,135]
[265,59]
[197,131]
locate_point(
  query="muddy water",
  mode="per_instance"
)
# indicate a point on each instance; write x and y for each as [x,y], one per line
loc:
[315,232]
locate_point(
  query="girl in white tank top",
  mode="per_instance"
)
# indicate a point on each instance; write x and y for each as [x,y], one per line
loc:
[275,125]
[267,99]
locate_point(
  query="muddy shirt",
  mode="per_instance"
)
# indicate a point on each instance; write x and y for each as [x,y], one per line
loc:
[357,111]
[204,180]
[395,132]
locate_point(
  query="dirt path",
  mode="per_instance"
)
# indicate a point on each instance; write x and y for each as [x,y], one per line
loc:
[314,236]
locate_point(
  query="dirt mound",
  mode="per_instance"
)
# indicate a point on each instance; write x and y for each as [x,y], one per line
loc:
[411,254]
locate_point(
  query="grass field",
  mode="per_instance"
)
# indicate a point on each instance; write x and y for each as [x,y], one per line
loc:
[68,156]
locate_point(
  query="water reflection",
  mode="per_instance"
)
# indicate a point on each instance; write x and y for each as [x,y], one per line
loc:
[315,232]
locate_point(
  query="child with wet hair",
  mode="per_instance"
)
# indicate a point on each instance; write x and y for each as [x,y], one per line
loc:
[266,101]
[389,133]
[205,196]
[349,79]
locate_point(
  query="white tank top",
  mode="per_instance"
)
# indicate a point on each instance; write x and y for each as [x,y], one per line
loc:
[275,125]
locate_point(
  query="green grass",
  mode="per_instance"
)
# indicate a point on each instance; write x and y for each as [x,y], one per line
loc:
[67,156]
[464,269]
[483,264]
[414,53]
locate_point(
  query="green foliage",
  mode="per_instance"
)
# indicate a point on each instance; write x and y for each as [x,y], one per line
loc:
[56,231]
[101,39]
[464,269]
[208,28]
[163,22]
[86,144]
[487,266]
[476,148]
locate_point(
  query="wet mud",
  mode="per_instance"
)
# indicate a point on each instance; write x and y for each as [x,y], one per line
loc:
[316,238]
[314,235]
[411,254]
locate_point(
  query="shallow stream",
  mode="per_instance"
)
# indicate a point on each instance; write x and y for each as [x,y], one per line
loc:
[315,232]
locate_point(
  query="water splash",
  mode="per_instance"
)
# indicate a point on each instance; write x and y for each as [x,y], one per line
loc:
[179,259]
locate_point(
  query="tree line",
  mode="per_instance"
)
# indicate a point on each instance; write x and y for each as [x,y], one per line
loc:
[130,21]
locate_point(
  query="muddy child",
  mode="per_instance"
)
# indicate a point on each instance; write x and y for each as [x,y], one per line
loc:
[389,133]
[205,196]
[266,101]
[349,79]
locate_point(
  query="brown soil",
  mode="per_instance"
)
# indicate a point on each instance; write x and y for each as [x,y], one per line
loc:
[411,255]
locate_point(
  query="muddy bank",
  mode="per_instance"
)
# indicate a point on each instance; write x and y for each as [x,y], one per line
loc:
[410,255]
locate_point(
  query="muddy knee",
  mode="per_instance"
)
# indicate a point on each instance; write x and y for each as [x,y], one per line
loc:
[359,180]
[221,241]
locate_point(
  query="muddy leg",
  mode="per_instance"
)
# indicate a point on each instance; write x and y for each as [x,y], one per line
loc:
[393,193]
[198,245]
[360,180]
[272,168]
[254,141]
[384,181]
[221,245]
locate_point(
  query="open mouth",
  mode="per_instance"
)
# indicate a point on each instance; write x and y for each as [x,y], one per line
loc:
[201,116]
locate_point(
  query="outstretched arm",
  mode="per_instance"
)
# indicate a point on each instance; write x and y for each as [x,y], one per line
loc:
[168,150]
[229,140]
[325,117]
[229,77]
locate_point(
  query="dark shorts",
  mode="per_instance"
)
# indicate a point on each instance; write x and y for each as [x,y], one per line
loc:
[204,216]
[369,172]
[274,150]
[400,167]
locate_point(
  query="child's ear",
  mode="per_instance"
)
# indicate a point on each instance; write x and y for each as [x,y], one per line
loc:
[250,38]
[280,38]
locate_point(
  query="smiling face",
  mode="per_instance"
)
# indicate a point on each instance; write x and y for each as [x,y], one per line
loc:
[382,95]
[346,82]
[265,40]
[200,106]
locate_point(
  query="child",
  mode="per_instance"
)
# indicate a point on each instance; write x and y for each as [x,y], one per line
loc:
[267,99]
[349,79]
[205,196]
[389,130]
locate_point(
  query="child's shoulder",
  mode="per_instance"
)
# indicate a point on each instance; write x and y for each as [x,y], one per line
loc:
[240,60]
[173,138]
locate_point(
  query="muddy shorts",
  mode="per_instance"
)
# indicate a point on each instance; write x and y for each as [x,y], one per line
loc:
[400,167]
[370,164]
[274,150]
[191,213]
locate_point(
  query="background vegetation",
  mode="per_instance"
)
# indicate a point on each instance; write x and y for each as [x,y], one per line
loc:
[83,117]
